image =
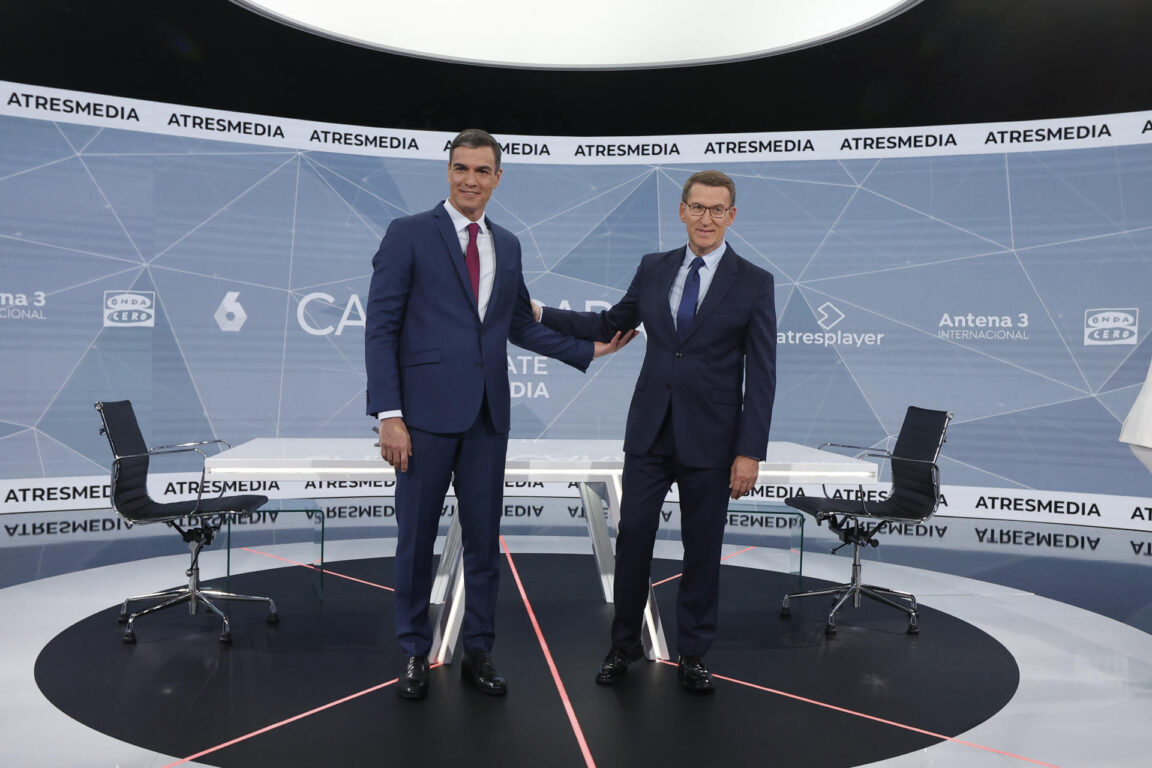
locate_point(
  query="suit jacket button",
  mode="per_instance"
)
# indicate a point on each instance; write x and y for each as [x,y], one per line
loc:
[679,354]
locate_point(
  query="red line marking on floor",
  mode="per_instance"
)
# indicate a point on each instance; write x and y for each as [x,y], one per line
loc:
[672,578]
[314,568]
[874,718]
[292,719]
[576,729]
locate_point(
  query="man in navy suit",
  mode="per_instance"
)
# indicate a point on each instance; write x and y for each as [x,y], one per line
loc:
[447,295]
[699,417]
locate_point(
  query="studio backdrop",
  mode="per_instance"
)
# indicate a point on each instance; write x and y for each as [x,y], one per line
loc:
[213,268]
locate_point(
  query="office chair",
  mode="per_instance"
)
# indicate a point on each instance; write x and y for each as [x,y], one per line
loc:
[913,498]
[196,520]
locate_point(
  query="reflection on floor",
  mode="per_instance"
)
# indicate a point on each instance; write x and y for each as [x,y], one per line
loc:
[74,695]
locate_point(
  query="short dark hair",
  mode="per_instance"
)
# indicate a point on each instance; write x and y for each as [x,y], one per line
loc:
[474,138]
[710,179]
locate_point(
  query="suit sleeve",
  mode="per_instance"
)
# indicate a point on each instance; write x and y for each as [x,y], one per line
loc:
[387,304]
[598,326]
[759,375]
[536,337]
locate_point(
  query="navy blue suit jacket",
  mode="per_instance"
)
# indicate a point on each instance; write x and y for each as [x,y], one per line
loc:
[426,351]
[720,381]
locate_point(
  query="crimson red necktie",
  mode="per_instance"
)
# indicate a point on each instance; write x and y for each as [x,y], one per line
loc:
[472,259]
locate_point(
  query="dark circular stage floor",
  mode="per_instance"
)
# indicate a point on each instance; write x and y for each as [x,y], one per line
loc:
[316,688]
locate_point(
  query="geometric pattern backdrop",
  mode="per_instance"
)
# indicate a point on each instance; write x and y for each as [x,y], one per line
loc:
[220,287]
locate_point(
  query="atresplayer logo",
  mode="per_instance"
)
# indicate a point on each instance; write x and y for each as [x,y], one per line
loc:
[829,316]
[1111,326]
[129,309]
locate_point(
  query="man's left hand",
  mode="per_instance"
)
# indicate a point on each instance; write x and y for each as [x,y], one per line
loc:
[743,477]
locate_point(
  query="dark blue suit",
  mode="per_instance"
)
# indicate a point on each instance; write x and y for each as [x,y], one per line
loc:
[428,354]
[697,405]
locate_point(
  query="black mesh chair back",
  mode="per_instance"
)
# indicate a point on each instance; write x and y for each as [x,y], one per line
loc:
[130,459]
[915,479]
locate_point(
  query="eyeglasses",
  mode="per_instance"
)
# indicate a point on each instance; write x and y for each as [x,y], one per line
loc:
[696,210]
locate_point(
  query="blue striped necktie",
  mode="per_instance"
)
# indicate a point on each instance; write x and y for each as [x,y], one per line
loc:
[688,299]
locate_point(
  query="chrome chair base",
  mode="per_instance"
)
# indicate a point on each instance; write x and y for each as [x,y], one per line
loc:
[855,590]
[193,595]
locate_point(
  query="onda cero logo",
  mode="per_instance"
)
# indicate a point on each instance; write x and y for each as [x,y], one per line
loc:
[126,309]
[1110,326]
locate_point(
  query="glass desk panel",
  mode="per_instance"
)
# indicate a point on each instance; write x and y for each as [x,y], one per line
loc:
[285,532]
[769,526]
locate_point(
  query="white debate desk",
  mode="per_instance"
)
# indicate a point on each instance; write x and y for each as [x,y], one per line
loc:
[589,463]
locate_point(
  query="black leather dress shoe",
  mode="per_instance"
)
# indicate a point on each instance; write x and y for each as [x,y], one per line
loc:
[616,663]
[477,668]
[413,682]
[694,676]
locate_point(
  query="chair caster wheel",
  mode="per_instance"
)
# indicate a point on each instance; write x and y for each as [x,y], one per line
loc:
[225,637]
[830,630]
[913,629]
[785,612]
[273,618]
[129,637]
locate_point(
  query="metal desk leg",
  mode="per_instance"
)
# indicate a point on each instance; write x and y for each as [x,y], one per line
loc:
[652,636]
[448,592]
[598,532]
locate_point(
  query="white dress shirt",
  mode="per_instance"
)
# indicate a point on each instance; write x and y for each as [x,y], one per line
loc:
[487,250]
[707,272]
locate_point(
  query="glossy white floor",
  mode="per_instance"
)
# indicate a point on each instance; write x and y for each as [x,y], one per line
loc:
[1084,700]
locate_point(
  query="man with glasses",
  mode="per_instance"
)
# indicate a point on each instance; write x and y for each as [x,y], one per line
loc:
[699,417]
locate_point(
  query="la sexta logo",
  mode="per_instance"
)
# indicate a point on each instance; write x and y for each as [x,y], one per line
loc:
[230,316]
[129,309]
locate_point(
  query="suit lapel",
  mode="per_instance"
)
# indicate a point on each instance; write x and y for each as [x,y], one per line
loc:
[455,254]
[722,282]
[499,252]
[663,285]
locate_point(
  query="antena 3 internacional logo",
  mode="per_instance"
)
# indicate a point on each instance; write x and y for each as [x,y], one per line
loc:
[129,309]
[22,306]
[1111,326]
[970,327]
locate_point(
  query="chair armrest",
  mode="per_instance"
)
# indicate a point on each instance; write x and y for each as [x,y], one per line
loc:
[881,453]
[877,453]
[160,448]
[845,445]
[180,448]
[864,452]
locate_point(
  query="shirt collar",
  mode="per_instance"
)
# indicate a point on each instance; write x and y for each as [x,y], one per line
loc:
[711,259]
[460,221]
